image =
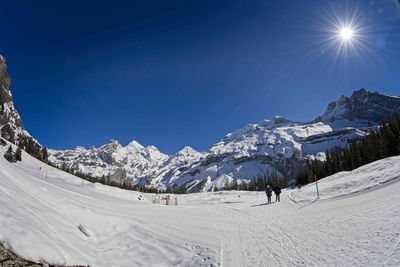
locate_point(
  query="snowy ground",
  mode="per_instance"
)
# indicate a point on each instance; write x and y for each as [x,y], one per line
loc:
[46,215]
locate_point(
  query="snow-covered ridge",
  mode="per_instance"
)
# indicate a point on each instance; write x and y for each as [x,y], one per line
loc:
[276,145]
[134,161]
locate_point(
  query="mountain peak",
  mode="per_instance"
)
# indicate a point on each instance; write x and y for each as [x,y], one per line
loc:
[187,150]
[135,145]
[280,119]
[80,149]
[274,121]
[362,105]
[112,145]
[114,142]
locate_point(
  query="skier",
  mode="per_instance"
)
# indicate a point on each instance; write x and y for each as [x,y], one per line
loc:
[268,191]
[277,191]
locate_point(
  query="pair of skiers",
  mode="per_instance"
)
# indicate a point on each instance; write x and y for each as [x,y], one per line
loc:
[277,190]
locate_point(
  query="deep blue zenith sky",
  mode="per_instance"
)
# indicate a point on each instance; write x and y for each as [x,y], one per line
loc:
[175,73]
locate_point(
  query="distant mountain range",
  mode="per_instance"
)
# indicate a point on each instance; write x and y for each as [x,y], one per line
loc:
[277,145]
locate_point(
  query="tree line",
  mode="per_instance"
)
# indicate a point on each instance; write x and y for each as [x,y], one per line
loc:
[378,144]
[258,183]
[105,180]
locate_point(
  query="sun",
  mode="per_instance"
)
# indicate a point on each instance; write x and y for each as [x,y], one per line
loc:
[346,33]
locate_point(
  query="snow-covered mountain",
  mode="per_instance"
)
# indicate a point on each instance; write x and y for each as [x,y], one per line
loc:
[362,106]
[143,165]
[11,127]
[112,160]
[277,145]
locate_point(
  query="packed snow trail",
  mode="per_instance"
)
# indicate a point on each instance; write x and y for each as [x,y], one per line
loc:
[47,216]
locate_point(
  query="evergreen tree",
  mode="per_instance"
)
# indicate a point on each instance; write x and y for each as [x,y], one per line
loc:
[378,144]
[45,154]
[251,186]
[2,142]
[18,154]
[233,185]
[226,184]
[9,155]
[261,183]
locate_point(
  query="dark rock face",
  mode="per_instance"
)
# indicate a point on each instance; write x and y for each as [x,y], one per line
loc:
[9,118]
[9,259]
[11,127]
[362,105]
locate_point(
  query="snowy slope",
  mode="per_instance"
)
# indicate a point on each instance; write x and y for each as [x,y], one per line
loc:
[42,209]
[46,215]
[345,183]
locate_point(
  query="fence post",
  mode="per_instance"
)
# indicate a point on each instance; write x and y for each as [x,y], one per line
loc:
[316,185]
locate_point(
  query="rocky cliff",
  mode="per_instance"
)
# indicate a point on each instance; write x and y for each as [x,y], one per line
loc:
[11,127]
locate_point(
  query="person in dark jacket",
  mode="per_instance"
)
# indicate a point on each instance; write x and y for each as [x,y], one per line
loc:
[277,191]
[268,191]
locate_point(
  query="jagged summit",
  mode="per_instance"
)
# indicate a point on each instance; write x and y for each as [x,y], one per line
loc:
[187,150]
[362,105]
[276,120]
[136,145]
[111,146]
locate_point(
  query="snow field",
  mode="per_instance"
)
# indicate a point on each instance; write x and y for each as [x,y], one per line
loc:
[55,220]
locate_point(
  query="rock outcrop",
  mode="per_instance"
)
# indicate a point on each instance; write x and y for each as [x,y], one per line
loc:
[11,127]
[362,105]
[9,259]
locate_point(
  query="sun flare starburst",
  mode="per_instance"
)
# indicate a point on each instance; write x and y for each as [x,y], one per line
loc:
[346,33]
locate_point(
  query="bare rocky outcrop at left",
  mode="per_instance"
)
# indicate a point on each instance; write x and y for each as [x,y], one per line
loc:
[11,127]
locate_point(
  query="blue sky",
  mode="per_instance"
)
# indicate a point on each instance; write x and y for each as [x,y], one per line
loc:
[176,73]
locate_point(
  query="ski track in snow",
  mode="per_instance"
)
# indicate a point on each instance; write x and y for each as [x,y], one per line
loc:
[57,221]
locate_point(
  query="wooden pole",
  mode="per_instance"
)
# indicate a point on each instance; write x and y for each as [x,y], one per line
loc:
[316,185]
